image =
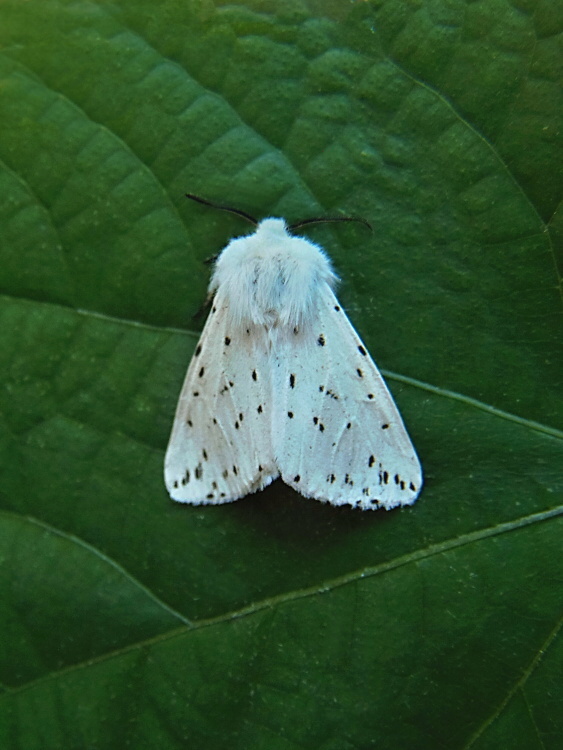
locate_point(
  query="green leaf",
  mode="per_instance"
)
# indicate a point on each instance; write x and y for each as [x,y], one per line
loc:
[276,621]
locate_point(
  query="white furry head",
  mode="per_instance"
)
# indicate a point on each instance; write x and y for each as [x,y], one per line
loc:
[271,277]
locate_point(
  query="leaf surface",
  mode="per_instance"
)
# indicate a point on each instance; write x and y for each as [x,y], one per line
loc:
[278,622]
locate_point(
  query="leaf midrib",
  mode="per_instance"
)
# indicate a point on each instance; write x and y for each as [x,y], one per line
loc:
[280,599]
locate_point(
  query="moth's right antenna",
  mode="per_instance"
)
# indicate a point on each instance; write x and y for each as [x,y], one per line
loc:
[322,219]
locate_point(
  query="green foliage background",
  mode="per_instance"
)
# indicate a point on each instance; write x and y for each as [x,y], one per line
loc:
[276,622]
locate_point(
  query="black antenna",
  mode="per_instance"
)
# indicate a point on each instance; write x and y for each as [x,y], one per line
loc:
[322,219]
[231,210]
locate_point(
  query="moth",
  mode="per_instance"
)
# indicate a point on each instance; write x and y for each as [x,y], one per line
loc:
[281,385]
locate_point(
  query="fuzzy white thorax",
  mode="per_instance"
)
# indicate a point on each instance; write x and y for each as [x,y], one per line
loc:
[271,277]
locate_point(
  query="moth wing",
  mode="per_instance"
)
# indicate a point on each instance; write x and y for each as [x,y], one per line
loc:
[220,448]
[339,436]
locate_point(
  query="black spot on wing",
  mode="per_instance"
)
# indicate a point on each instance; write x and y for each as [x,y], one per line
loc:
[319,424]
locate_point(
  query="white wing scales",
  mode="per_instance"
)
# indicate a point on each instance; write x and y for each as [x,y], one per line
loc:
[220,448]
[267,398]
[337,433]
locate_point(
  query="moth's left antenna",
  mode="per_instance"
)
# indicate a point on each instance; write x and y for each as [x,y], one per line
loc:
[230,209]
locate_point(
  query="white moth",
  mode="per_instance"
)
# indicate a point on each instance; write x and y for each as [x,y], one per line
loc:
[281,385]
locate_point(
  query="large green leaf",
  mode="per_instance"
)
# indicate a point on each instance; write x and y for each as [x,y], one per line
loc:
[276,621]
